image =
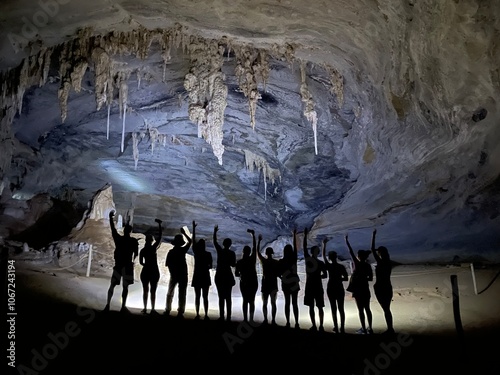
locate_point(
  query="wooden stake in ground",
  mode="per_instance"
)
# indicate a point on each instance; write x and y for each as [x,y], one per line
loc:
[456,305]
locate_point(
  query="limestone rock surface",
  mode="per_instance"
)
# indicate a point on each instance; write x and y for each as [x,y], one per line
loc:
[340,116]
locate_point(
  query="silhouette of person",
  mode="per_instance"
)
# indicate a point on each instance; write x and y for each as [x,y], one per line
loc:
[359,286]
[150,274]
[335,291]
[224,277]
[314,292]
[126,250]
[290,282]
[201,280]
[383,286]
[177,267]
[246,270]
[269,283]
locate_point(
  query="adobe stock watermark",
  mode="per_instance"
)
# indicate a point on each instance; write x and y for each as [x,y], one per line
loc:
[56,343]
[47,9]
[392,350]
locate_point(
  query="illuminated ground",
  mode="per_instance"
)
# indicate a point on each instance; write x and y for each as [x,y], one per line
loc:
[51,302]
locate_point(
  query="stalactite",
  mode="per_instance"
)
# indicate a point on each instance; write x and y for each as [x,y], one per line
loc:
[107,122]
[45,65]
[154,136]
[72,67]
[77,75]
[122,148]
[166,45]
[102,80]
[207,92]
[63,94]
[135,149]
[251,63]
[253,161]
[309,111]
[121,82]
[262,68]
[337,84]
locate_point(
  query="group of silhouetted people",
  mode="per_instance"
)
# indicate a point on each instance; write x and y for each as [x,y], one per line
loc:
[274,272]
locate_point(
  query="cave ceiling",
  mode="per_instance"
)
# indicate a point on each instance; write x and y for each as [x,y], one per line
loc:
[340,116]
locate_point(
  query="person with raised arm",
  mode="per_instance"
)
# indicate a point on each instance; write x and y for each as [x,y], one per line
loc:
[201,280]
[335,291]
[314,292]
[383,286]
[247,272]
[359,286]
[269,284]
[177,267]
[126,251]
[290,281]
[150,273]
[224,277]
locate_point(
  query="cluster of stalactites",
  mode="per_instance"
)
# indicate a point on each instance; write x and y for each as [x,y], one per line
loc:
[204,83]
[32,71]
[253,161]
[309,111]
[85,50]
[251,64]
[154,137]
[75,57]
[207,92]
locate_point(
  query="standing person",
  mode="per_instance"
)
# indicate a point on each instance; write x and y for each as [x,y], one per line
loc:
[269,284]
[247,272]
[359,286]
[290,282]
[150,274]
[314,292]
[224,277]
[337,274]
[177,267]
[383,286]
[126,250]
[201,281]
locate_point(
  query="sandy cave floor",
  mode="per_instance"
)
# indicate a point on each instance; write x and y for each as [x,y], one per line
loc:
[51,301]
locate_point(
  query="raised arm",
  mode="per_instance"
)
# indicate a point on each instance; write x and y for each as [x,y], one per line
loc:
[157,243]
[351,252]
[374,252]
[186,247]
[325,258]
[253,255]
[216,244]
[194,233]
[304,245]
[112,224]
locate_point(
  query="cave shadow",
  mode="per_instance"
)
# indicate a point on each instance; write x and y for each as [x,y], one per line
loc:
[53,225]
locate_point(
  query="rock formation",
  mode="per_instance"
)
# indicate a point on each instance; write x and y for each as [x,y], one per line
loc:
[361,114]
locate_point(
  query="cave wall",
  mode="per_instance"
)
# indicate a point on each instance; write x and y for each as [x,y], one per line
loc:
[404,94]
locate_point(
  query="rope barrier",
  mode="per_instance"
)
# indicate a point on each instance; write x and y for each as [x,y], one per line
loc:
[72,265]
